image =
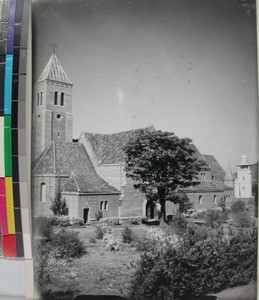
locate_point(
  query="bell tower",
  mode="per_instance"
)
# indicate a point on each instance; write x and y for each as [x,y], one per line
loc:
[52,107]
[243,182]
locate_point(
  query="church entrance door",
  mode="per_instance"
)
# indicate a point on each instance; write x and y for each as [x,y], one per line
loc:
[86,212]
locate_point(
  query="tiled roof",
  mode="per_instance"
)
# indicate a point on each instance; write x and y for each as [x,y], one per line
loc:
[86,184]
[54,71]
[109,147]
[199,156]
[62,159]
[205,186]
[216,171]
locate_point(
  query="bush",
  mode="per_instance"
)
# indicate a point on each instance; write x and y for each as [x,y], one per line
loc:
[101,230]
[144,220]
[215,217]
[77,222]
[92,240]
[135,221]
[127,235]
[203,262]
[64,221]
[98,215]
[242,219]
[179,223]
[110,221]
[55,221]
[111,244]
[238,206]
[44,228]
[67,244]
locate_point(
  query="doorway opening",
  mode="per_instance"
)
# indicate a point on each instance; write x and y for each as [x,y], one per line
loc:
[86,213]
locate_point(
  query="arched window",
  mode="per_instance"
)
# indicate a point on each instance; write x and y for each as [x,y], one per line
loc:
[38,99]
[106,205]
[56,98]
[101,205]
[41,98]
[200,200]
[62,101]
[43,192]
[215,199]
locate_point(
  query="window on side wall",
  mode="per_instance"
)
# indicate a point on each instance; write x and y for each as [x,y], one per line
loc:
[106,205]
[200,200]
[215,199]
[43,192]
[101,205]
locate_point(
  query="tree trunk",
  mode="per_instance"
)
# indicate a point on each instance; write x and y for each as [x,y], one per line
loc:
[161,195]
[163,212]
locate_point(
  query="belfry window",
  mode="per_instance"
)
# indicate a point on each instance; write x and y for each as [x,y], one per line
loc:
[41,98]
[62,101]
[38,99]
[43,192]
[56,98]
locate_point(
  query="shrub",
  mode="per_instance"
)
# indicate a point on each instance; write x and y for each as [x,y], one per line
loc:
[98,215]
[59,206]
[64,221]
[55,221]
[77,222]
[144,220]
[110,221]
[215,217]
[68,244]
[127,235]
[204,261]
[238,206]
[242,219]
[92,240]
[102,229]
[111,244]
[179,223]
[44,228]
[135,221]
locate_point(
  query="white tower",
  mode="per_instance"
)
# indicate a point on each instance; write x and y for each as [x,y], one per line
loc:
[243,183]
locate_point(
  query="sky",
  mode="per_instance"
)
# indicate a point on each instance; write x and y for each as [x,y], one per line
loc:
[184,66]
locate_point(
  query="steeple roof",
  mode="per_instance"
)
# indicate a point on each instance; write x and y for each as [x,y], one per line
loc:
[54,71]
[229,175]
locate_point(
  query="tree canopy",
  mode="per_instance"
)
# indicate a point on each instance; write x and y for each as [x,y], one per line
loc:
[160,162]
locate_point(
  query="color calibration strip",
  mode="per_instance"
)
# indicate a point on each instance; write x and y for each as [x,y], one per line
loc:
[14,204]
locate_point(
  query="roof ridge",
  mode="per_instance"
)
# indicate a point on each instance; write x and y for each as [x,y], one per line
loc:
[216,184]
[43,153]
[74,176]
[54,156]
[120,132]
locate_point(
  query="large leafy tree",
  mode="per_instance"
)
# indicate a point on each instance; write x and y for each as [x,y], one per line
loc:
[160,162]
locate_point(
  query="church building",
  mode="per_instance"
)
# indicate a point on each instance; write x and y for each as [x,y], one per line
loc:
[89,172]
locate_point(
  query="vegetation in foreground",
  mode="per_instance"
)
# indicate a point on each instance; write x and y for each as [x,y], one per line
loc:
[143,262]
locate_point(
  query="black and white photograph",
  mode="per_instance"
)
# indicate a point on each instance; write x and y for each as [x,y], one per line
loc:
[144,149]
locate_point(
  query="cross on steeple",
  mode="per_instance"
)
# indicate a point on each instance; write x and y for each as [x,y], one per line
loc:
[53,46]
